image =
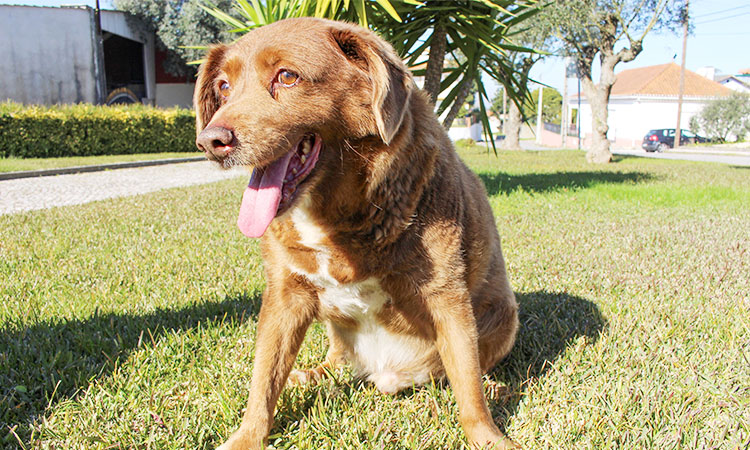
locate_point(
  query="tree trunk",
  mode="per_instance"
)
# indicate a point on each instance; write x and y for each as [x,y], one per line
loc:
[514,118]
[598,97]
[458,102]
[434,71]
[513,128]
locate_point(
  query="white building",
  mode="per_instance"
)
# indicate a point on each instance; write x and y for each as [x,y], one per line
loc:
[738,83]
[54,55]
[644,99]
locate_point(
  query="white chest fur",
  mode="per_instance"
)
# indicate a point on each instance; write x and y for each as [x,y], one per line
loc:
[391,361]
[359,300]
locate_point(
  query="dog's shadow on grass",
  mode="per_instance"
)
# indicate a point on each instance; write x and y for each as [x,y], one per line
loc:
[45,363]
[550,323]
[503,183]
[49,362]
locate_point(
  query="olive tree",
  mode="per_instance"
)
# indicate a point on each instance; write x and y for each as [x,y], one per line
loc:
[725,117]
[612,32]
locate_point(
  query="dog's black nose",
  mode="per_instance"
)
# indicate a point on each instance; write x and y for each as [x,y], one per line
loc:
[217,142]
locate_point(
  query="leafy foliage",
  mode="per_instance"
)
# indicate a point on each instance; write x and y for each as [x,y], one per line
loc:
[479,36]
[725,117]
[612,31]
[589,26]
[476,33]
[551,106]
[255,13]
[181,27]
[86,130]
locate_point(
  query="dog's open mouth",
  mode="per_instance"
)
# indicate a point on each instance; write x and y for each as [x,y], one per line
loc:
[272,188]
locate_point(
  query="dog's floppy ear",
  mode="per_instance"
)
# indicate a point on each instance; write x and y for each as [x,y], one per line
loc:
[205,98]
[391,80]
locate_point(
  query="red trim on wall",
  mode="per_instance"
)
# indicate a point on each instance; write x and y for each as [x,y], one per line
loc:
[162,76]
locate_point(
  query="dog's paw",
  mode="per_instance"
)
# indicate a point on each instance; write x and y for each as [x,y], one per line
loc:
[309,377]
[502,444]
[491,439]
[242,441]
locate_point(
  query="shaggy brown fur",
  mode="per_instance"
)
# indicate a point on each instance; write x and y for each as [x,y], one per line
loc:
[389,241]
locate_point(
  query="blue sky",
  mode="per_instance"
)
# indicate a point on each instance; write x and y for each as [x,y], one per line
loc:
[721,38]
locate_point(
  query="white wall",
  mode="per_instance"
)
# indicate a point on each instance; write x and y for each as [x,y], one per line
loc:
[735,86]
[174,94]
[47,54]
[630,118]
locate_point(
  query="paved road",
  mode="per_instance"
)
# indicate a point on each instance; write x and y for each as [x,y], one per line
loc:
[735,160]
[738,158]
[46,192]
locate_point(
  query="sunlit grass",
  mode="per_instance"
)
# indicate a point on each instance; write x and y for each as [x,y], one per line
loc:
[22,164]
[129,323]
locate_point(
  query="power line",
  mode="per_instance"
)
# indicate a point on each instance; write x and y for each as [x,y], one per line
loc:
[746,33]
[700,16]
[723,18]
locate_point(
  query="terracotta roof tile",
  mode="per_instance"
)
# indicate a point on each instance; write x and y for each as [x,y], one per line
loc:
[664,80]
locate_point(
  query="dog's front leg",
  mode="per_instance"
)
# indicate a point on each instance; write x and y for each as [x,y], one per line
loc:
[285,315]
[456,339]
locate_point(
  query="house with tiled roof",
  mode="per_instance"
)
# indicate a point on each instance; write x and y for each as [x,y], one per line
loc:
[646,98]
[739,82]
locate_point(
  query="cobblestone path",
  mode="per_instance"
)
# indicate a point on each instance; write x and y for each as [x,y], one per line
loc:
[29,194]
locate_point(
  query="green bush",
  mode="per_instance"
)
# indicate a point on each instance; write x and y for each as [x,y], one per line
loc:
[88,130]
[465,143]
[726,116]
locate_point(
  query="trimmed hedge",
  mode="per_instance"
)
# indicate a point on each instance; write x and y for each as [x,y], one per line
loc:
[87,130]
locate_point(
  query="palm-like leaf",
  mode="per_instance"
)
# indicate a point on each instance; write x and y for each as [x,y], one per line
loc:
[256,13]
[479,33]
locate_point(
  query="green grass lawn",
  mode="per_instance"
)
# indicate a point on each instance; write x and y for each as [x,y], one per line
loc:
[20,164]
[129,323]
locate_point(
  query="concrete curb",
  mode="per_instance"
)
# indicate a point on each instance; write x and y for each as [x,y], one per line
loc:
[96,168]
[709,152]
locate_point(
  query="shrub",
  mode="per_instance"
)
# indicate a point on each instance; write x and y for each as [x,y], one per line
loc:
[87,130]
[726,116]
[465,143]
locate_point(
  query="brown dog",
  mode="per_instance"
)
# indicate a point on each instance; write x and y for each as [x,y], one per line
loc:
[370,222]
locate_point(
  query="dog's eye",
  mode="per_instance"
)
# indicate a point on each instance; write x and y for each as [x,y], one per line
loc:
[224,89]
[287,78]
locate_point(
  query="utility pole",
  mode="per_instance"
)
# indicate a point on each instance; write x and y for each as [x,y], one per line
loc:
[678,130]
[539,124]
[578,113]
[564,112]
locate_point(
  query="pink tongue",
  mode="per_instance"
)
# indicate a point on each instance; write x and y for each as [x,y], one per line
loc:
[261,199]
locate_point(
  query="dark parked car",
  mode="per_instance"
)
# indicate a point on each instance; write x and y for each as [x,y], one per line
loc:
[662,139]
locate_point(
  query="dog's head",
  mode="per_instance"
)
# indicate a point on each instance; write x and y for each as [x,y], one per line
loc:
[274,98]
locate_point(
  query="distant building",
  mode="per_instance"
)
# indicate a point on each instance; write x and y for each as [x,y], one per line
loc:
[646,98]
[53,55]
[738,83]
